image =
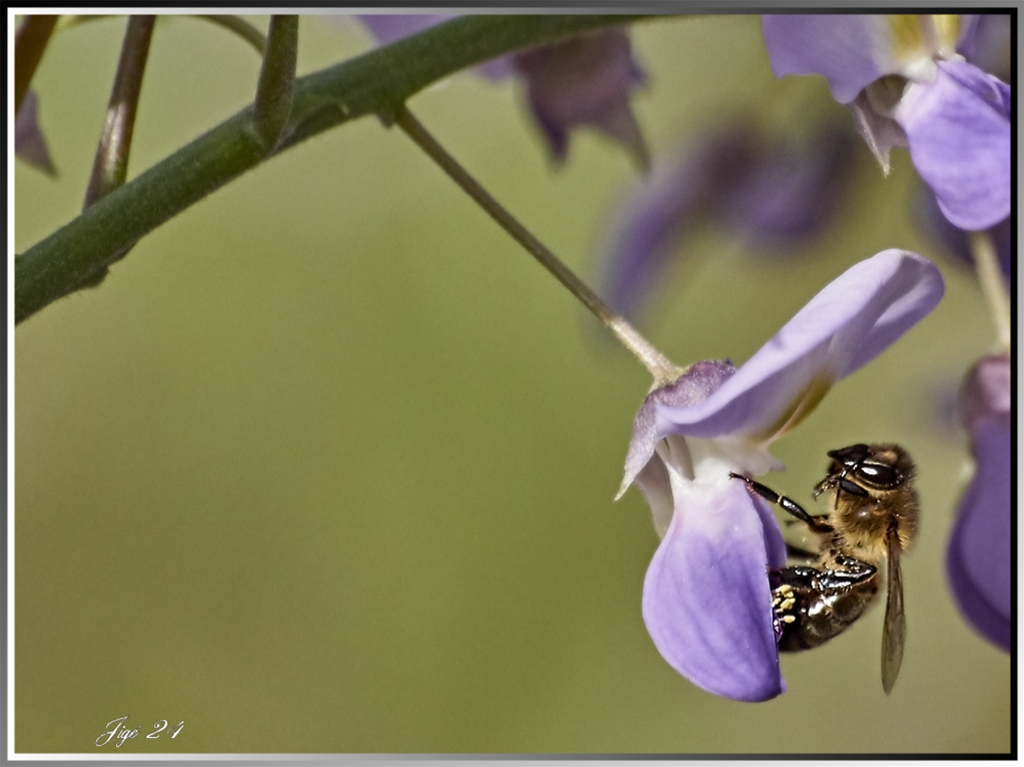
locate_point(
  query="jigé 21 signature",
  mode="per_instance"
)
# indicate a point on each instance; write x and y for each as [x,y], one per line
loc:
[116,728]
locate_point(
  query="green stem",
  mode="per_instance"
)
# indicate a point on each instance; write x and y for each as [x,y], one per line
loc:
[660,367]
[378,82]
[277,76]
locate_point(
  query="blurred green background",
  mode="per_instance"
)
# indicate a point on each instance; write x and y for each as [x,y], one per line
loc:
[327,463]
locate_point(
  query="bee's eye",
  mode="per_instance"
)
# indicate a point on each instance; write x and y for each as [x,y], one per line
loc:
[879,475]
[852,488]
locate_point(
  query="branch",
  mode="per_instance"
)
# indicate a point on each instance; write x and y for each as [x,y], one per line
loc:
[274,93]
[378,82]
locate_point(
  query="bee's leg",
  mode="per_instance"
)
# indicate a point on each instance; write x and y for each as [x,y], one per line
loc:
[810,605]
[783,613]
[848,570]
[817,524]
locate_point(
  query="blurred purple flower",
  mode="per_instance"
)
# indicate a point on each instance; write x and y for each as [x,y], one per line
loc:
[584,81]
[791,190]
[990,47]
[978,560]
[707,597]
[388,28]
[587,80]
[774,193]
[29,143]
[955,241]
[907,86]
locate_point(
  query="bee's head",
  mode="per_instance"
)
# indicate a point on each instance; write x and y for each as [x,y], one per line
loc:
[874,495]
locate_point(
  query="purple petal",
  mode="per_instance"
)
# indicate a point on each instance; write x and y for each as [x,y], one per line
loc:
[774,542]
[853,51]
[850,322]
[880,132]
[663,207]
[990,49]
[696,384]
[931,221]
[959,134]
[391,27]
[792,191]
[970,26]
[587,80]
[707,600]
[655,485]
[500,68]
[29,143]
[978,560]
[935,225]
[986,391]
[850,51]
[782,191]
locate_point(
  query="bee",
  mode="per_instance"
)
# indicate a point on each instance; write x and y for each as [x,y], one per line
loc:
[873,518]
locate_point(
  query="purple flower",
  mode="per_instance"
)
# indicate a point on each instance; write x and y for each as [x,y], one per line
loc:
[29,143]
[707,596]
[991,45]
[930,220]
[386,29]
[792,189]
[978,560]
[773,192]
[587,80]
[907,86]
[958,129]
[584,81]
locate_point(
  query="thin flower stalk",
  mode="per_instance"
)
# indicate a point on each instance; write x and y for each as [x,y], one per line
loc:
[990,278]
[663,370]
[240,27]
[110,167]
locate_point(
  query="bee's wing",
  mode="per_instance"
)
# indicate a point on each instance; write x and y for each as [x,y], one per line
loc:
[894,633]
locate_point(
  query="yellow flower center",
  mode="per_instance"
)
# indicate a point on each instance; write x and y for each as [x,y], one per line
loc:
[919,40]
